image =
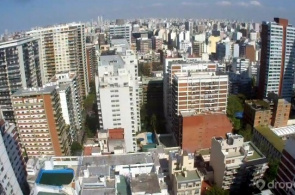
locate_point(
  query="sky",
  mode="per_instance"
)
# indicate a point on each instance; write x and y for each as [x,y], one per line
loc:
[16,15]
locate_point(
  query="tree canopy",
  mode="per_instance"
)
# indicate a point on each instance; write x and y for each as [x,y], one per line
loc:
[214,190]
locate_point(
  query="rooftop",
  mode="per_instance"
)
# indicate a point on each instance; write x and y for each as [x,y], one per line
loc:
[258,104]
[34,91]
[256,152]
[273,138]
[123,159]
[191,175]
[147,183]
[284,131]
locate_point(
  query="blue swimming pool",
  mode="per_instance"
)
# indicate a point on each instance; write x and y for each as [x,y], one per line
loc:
[56,177]
[150,138]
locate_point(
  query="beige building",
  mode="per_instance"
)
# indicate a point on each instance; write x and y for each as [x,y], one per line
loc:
[236,163]
[192,85]
[63,49]
[184,177]
[212,44]
[40,123]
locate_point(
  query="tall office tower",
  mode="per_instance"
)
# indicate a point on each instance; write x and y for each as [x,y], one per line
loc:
[189,26]
[192,85]
[40,123]
[237,165]
[63,49]
[286,171]
[64,79]
[117,90]
[19,68]
[120,30]
[13,172]
[91,61]
[277,59]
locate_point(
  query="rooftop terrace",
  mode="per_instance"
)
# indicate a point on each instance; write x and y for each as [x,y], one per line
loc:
[274,139]
[191,175]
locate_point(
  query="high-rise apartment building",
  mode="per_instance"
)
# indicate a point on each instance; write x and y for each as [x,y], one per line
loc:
[120,30]
[143,45]
[40,123]
[67,107]
[63,49]
[91,61]
[117,90]
[13,172]
[192,85]
[19,68]
[71,79]
[286,171]
[277,59]
[237,164]
[157,43]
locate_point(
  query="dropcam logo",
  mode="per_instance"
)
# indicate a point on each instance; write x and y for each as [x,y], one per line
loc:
[261,184]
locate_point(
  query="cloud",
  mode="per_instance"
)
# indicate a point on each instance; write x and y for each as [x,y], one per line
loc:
[256,3]
[243,4]
[224,3]
[157,5]
[188,3]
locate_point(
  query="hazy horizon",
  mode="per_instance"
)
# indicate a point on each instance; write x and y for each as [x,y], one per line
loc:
[24,14]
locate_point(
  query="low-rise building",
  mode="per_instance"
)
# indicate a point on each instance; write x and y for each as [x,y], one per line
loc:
[185,178]
[268,141]
[197,130]
[257,112]
[237,164]
[135,173]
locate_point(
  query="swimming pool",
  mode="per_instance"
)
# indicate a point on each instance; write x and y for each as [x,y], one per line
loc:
[56,177]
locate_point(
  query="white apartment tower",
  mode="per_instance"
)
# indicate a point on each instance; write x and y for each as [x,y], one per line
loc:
[120,30]
[74,101]
[117,90]
[277,59]
[236,163]
[12,165]
[63,49]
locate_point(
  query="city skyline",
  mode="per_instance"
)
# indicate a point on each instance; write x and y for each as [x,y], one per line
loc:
[30,13]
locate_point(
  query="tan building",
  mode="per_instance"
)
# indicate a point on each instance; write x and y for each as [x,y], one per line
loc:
[184,177]
[274,112]
[40,123]
[281,112]
[201,92]
[257,112]
[236,163]
[212,44]
[192,85]
[250,53]
[63,49]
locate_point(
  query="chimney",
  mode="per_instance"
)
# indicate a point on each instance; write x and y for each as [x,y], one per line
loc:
[185,173]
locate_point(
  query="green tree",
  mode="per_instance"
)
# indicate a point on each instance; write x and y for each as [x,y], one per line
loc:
[272,170]
[76,148]
[154,122]
[214,190]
